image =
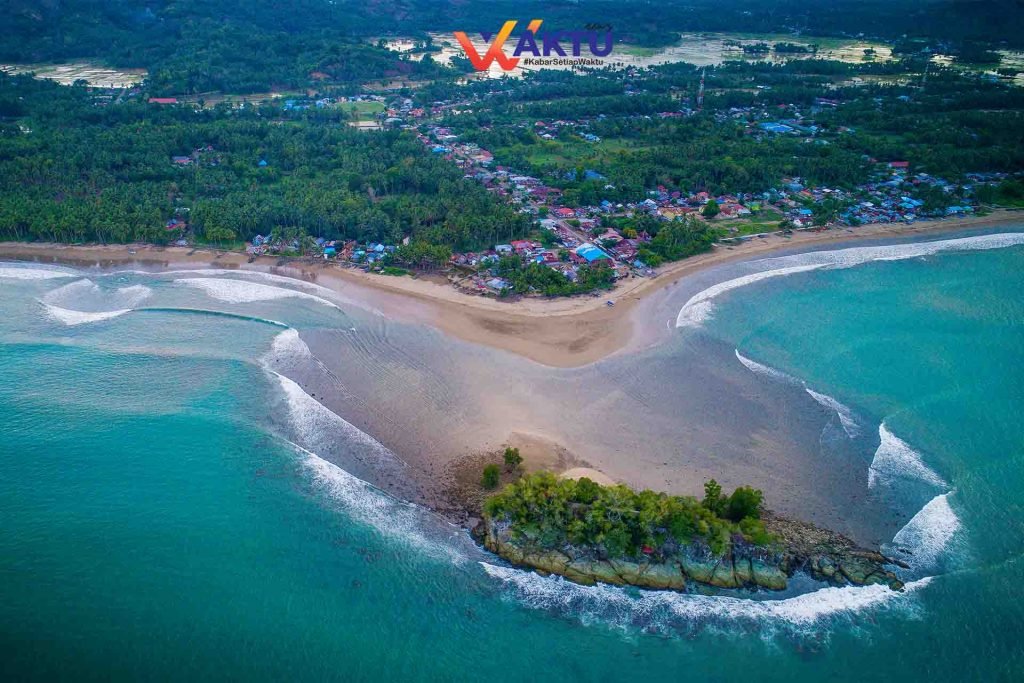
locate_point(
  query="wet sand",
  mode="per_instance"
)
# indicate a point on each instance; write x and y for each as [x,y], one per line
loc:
[566,332]
[442,376]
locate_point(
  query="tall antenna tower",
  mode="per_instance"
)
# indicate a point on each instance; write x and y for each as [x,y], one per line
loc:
[700,91]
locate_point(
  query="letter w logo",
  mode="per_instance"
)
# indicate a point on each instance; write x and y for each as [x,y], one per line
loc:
[494,52]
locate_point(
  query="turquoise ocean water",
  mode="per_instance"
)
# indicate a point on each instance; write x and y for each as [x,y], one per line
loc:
[164,513]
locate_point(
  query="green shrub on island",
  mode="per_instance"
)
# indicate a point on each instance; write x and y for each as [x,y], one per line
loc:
[491,477]
[745,502]
[621,522]
[512,459]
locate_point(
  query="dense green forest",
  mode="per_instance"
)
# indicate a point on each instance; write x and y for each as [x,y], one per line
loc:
[71,171]
[194,46]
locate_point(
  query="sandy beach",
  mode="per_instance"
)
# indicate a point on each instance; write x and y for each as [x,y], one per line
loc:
[443,378]
[564,332]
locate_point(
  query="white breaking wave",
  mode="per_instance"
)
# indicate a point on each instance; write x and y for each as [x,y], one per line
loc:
[699,308]
[87,291]
[317,427]
[845,414]
[64,303]
[670,612]
[69,317]
[764,370]
[397,519]
[18,273]
[318,430]
[927,535]
[287,348]
[242,291]
[291,282]
[846,418]
[895,458]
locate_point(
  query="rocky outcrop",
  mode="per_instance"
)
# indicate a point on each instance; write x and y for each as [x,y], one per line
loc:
[822,554]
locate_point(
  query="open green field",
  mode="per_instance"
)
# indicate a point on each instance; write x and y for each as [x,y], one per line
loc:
[362,111]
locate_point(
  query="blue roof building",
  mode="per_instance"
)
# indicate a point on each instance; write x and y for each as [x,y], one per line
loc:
[591,252]
[773,127]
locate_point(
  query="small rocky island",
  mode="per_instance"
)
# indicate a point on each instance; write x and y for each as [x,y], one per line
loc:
[590,533]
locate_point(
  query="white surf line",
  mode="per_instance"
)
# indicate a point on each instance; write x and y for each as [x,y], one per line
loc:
[621,608]
[845,414]
[846,418]
[15,273]
[699,308]
[926,537]
[58,302]
[395,518]
[895,458]
[71,318]
[291,282]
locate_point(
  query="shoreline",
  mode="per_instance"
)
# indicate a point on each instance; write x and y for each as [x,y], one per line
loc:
[563,333]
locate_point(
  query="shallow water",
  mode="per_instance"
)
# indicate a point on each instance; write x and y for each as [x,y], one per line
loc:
[178,503]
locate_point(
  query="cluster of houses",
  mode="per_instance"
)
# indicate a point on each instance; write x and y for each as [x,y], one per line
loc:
[576,236]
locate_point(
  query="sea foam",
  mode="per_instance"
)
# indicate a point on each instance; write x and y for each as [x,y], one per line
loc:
[286,349]
[243,291]
[66,303]
[927,536]
[764,370]
[894,458]
[398,520]
[846,419]
[318,428]
[674,613]
[70,317]
[845,414]
[23,273]
[292,283]
[698,308]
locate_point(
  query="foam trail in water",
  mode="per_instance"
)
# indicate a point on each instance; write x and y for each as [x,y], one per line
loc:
[846,418]
[66,303]
[291,282]
[69,317]
[894,458]
[399,520]
[927,535]
[286,349]
[318,428]
[699,307]
[21,273]
[764,370]
[672,613]
[242,291]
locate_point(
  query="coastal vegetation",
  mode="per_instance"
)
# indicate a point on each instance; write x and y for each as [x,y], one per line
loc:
[591,533]
[527,277]
[198,46]
[621,522]
[122,173]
